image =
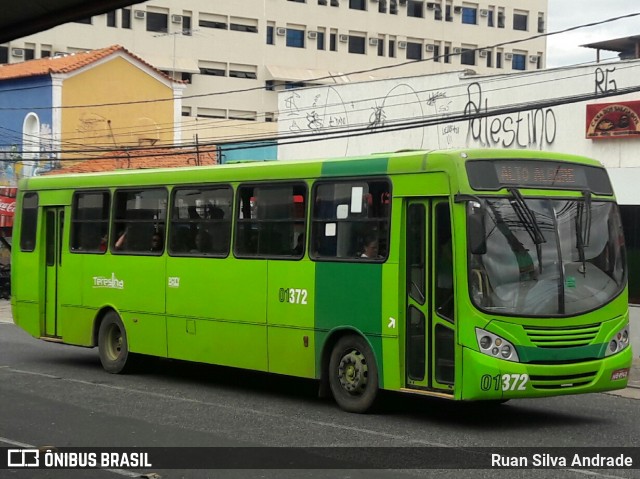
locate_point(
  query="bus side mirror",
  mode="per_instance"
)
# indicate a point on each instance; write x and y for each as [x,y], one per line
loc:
[476,229]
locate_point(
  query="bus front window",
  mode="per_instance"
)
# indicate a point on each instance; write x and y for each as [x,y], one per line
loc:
[540,257]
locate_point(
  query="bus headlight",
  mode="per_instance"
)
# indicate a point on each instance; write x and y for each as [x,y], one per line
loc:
[495,346]
[618,341]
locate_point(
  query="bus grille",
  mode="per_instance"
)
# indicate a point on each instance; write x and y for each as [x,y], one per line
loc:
[561,381]
[566,337]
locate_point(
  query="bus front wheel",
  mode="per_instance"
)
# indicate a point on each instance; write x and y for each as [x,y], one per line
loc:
[112,344]
[353,375]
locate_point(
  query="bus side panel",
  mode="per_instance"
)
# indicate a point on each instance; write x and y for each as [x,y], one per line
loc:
[291,298]
[349,295]
[216,311]
[392,322]
[134,286]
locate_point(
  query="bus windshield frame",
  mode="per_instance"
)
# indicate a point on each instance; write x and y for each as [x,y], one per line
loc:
[574,266]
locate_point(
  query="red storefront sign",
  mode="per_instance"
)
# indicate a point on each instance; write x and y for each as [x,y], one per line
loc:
[613,120]
[7,206]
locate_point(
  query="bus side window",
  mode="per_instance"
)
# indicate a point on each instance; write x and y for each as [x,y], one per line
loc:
[90,222]
[201,221]
[29,222]
[269,220]
[444,262]
[351,220]
[139,216]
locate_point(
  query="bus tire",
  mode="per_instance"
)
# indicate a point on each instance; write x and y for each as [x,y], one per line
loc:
[353,374]
[112,344]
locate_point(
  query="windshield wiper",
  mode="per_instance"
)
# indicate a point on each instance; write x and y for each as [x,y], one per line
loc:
[528,220]
[583,228]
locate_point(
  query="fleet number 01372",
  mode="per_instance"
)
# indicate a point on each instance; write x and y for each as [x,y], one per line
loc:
[292,295]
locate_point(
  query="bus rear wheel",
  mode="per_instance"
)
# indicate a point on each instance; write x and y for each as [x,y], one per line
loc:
[353,374]
[112,344]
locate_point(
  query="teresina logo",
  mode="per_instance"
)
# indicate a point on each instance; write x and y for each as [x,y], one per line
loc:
[112,282]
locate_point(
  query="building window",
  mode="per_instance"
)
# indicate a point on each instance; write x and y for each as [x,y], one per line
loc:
[213,24]
[415,8]
[86,21]
[437,13]
[490,19]
[519,62]
[393,7]
[126,18]
[297,1]
[270,38]
[357,4]
[4,54]
[29,53]
[392,48]
[469,15]
[380,47]
[520,21]
[295,38]
[348,216]
[335,3]
[468,56]
[333,46]
[239,71]
[186,25]
[447,14]
[139,221]
[498,59]
[501,19]
[269,85]
[157,22]
[356,44]
[320,41]
[240,27]
[436,53]
[541,23]
[414,51]
[44,53]
[90,222]
[216,72]
[382,6]
[447,54]
[270,221]
[111,19]
[201,221]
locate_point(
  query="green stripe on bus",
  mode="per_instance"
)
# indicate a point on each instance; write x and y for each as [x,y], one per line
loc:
[371,166]
[349,296]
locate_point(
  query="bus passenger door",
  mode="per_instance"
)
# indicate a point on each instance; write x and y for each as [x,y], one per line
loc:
[430,315]
[54,220]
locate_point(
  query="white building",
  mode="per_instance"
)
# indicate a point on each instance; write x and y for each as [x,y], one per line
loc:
[269,45]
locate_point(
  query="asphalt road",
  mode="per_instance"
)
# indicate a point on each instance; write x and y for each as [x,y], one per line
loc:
[56,395]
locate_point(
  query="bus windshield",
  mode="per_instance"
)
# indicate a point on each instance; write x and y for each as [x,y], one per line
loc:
[545,257]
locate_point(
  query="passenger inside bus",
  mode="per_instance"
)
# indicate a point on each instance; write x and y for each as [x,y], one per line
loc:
[370,247]
[156,242]
[202,242]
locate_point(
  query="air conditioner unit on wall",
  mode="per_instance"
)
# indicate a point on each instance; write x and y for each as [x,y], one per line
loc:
[311,35]
[17,52]
[430,47]
[176,18]
[402,45]
[533,58]
[281,31]
[403,2]
[344,38]
[484,13]
[457,9]
[373,41]
[483,53]
[431,6]
[457,50]
[139,14]
[508,56]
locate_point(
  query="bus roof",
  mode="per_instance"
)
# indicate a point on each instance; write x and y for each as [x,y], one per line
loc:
[404,162]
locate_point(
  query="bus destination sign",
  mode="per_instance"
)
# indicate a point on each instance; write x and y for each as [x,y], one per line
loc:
[494,175]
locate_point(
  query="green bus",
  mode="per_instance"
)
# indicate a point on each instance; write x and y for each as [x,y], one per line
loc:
[463,274]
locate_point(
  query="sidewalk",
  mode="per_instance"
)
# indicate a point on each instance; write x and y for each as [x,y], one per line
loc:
[634,375]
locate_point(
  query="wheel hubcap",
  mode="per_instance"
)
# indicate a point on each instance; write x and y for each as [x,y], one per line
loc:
[114,343]
[353,372]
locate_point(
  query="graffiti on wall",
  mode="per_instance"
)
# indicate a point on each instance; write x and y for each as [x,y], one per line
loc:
[16,164]
[521,129]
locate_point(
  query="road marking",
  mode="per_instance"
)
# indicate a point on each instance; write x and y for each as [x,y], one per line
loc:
[121,472]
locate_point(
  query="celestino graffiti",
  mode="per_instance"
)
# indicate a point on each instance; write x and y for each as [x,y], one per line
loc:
[523,129]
